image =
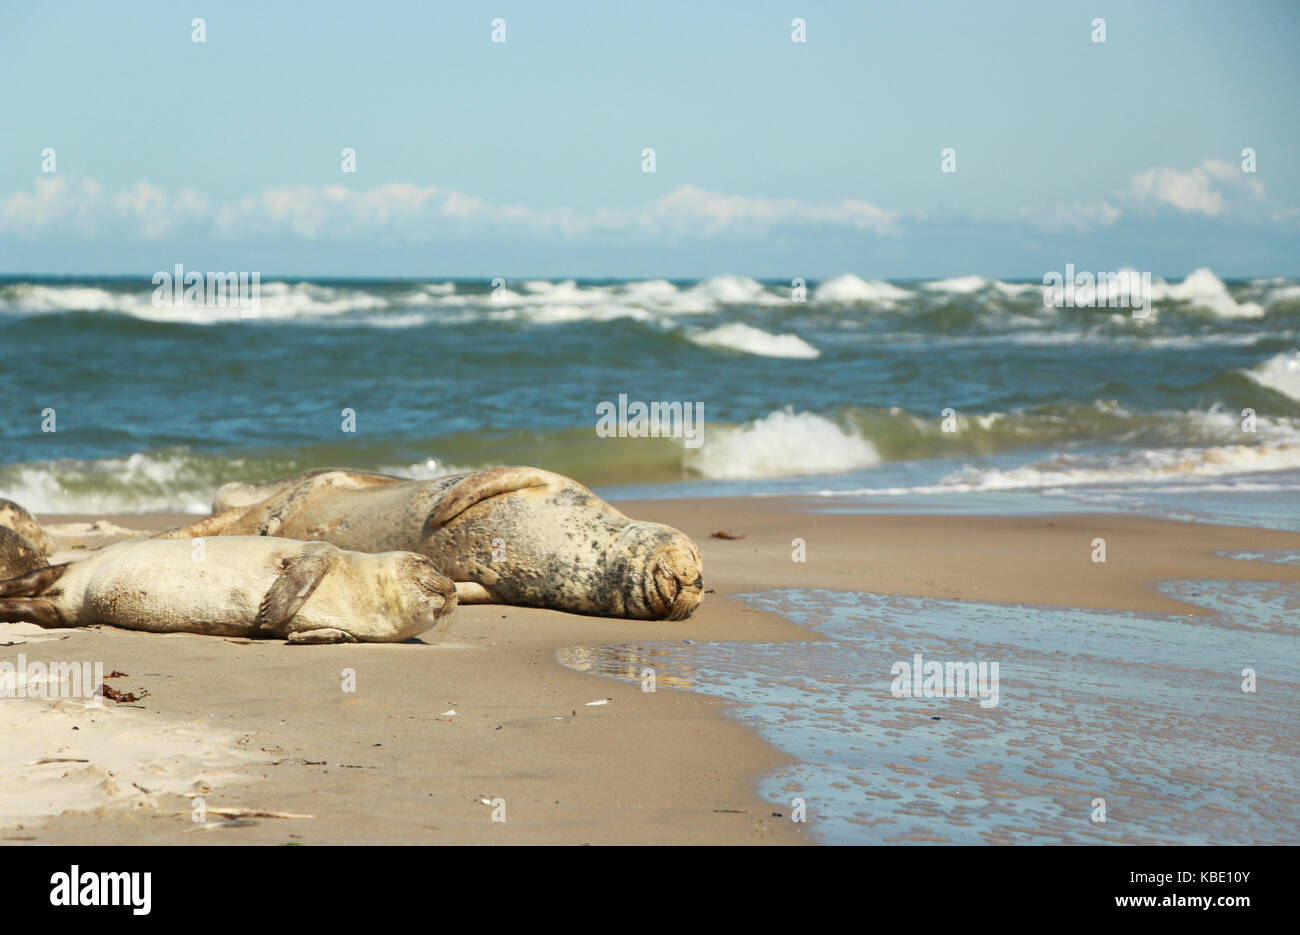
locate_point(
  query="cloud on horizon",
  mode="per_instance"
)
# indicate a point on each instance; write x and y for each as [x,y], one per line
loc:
[62,205]
[1164,219]
[1214,189]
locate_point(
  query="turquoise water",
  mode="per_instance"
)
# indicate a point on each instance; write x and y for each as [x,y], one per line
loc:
[842,395]
[1145,712]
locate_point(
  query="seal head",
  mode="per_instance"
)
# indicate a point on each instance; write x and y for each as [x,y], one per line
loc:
[17,555]
[20,521]
[662,573]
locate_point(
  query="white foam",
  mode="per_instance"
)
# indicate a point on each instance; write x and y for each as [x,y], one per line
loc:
[1143,466]
[139,482]
[750,340]
[528,300]
[784,443]
[276,300]
[1014,289]
[1152,466]
[650,292]
[540,292]
[36,299]
[1280,373]
[731,290]
[173,481]
[850,288]
[544,302]
[961,285]
[1285,293]
[1204,291]
[564,314]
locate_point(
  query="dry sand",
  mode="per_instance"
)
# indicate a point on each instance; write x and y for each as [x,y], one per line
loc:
[262,727]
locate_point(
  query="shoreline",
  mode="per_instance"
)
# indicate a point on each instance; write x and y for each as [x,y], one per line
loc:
[662,767]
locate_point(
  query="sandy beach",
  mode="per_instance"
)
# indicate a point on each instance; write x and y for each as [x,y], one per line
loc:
[437,740]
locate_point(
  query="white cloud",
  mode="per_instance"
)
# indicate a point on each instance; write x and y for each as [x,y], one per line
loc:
[59,206]
[64,205]
[1212,189]
[54,201]
[403,211]
[155,212]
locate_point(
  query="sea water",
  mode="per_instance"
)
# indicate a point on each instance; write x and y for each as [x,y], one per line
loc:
[864,392]
[1109,727]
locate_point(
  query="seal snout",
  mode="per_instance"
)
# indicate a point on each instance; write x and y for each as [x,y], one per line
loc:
[676,581]
[442,592]
[437,591]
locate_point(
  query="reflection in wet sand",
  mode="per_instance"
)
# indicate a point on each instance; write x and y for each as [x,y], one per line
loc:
[631,662]
[1144,712]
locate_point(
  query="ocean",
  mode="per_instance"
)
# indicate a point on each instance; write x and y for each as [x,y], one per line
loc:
[966,393]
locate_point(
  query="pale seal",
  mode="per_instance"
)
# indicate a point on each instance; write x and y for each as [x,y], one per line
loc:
[513,535]
[305,592]
[20,521]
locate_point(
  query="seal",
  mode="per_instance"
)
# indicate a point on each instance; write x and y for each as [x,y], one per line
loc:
[305,592]
[20,521]
[511,535]
[17,555]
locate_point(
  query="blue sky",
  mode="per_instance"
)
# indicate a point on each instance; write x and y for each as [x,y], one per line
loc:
[773,158]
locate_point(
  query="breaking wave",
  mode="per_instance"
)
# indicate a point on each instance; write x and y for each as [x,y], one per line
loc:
[411,304]
[750,340]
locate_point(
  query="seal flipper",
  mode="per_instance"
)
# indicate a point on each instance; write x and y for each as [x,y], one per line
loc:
[245,495]
[35,610]
[471,592]
[296,583]
[481,485]
[214,525]
[32,583]
[323,635]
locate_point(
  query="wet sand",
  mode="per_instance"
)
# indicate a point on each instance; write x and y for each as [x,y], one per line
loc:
[265,727]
